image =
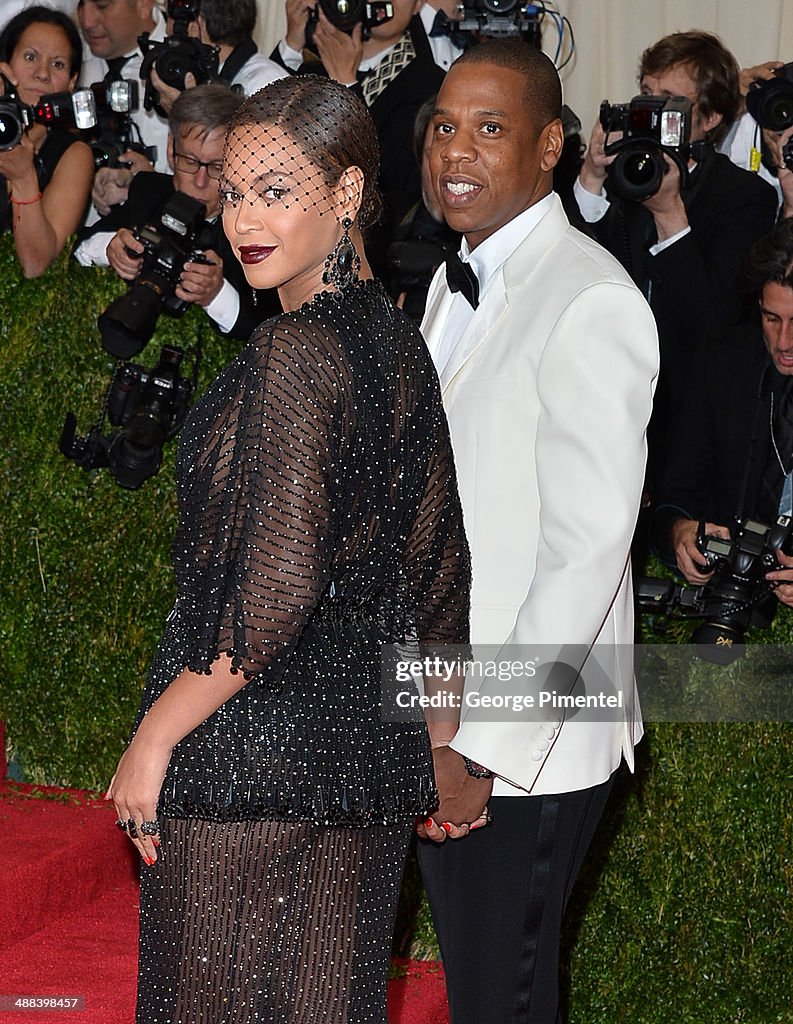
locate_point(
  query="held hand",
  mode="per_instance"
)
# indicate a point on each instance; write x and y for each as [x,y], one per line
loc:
[118,254]
[135,791]
[111,186]
[758,73]
[783,578]
[296,21]
[169,94]
[17,164]
[595,168]
[666,205]
[200,283]
[690,560]
[463,799]
[340,53]
[775,143]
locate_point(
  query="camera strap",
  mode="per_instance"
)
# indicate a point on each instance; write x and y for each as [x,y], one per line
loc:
[236,60]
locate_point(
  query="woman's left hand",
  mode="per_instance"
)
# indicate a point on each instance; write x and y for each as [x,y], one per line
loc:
[135,791]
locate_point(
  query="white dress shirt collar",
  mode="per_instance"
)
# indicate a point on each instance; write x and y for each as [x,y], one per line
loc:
[488,257]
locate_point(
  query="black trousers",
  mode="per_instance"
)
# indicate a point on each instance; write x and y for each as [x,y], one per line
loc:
[497,899]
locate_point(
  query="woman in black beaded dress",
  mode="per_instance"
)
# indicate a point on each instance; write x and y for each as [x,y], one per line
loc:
[319,519]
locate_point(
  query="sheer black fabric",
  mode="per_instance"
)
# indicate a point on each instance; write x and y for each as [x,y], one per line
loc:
[319,519]
[269,923]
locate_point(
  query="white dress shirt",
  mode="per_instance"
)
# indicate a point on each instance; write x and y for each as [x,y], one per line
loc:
[257,72]
[153,128]
[486,261]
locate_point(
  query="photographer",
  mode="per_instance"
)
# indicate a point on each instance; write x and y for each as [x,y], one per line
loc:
[758,148]
[733,443]
[45,177]
[111,29]
[195,151]
[682,246]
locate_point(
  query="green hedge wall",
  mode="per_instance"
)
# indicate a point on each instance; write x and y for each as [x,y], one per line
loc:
[684,910]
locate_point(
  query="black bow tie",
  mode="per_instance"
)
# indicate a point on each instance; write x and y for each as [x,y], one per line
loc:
[445,26]
[460,277]
[115,65]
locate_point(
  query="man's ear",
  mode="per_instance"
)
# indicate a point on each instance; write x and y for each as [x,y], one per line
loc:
[144,9]
[710,122]
[349,193]
[169,151]
[551,143]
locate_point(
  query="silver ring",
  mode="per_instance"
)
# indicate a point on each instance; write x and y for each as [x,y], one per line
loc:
[150,828]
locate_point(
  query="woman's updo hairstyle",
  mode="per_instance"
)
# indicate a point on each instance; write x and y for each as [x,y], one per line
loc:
[328,123]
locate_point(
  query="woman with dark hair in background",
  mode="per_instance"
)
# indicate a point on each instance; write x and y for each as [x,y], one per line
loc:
[45,178]
[269,796]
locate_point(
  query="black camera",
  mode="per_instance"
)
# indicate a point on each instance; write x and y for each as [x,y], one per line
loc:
[346,14]
[651,126]
[770,102]
[177,56]
[57,110]
[502,18]
[736,596]
[180,237]
[149,407]
[116,132]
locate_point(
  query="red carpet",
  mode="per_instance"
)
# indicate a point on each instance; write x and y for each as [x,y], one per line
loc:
[69,901]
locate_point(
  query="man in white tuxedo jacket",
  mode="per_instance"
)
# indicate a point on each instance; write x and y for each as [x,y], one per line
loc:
[547,382]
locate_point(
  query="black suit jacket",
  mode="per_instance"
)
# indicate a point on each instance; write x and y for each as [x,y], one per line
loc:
[721,441]
[692,285]
[148,193]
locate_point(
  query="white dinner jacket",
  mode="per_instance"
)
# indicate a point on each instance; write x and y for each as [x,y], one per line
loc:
[548,394]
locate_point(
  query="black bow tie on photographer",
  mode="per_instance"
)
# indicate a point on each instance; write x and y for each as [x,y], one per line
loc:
[460,277]
[115,65]
[443,25]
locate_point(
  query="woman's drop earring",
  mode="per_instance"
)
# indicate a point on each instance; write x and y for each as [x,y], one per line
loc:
[343,263]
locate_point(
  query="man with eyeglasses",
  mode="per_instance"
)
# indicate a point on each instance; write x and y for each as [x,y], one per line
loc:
[197,126]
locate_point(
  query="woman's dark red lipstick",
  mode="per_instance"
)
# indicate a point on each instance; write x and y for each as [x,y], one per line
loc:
[255,253]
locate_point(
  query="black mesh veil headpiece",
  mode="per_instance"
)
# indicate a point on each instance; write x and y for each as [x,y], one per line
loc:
[298,135]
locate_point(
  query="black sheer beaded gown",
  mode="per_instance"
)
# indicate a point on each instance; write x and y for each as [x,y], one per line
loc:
[319,519]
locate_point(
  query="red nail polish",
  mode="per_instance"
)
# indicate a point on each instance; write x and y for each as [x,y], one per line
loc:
[156,842]
[429,823]
[446,827]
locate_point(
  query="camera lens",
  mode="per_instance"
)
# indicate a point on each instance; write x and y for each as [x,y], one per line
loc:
[10,128]
[500,7]
[771,104]
[343,14]
[637,174]
[130,464]
[779,112]
[129,321]
[173,66]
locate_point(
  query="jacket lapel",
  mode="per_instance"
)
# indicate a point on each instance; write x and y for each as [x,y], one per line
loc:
[515,273]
